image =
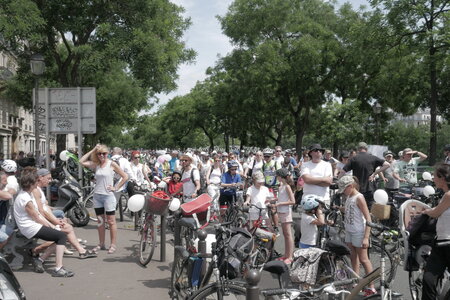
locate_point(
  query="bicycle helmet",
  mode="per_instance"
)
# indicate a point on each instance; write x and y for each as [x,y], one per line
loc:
[232,164]
[9,166]
[309,202]
[283,172]
[267,151]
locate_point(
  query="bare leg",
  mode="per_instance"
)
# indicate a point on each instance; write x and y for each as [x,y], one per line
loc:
[50,250]
[354,258]
[365,261]
[111,219]
[288,240]
[42,247]
[72,238]
[59,255]
[101,229]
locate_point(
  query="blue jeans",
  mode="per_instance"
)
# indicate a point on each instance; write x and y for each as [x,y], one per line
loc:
[5,232]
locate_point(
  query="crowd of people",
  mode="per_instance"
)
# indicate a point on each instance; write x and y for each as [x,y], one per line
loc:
[269,178]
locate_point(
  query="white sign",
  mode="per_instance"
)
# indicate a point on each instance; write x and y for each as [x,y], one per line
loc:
[68,109]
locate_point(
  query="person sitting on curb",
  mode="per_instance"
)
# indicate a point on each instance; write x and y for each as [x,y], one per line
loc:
[44,178]
[32,225]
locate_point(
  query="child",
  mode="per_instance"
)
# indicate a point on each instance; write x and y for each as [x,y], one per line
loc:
[356,232]
[283,205]
[312,217]
[258,195]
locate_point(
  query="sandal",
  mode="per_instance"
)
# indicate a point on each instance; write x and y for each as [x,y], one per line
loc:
[112,249]
[87,254]
[280,258]
[98,248]
[287,261]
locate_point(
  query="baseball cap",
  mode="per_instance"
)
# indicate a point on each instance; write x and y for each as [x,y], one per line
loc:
[315,147]
[43,172]
[362,145]
[344,182]
[388,152]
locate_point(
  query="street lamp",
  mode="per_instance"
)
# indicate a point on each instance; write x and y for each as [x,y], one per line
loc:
[37,64]
[377,110]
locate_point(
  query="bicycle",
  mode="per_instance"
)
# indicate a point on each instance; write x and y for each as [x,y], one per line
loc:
[220,270]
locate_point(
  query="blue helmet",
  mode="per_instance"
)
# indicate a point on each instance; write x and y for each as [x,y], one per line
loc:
[232,164]
[309,202]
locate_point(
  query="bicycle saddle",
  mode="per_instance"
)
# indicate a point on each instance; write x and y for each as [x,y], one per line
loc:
[275,267]
[188,222]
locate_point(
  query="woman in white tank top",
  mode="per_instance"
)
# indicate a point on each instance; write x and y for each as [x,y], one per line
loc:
[104,200]
[439,259]
[356,232]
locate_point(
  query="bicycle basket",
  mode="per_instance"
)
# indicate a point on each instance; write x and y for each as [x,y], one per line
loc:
[158,203]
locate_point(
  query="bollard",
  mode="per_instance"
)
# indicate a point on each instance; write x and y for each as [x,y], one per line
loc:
[163,237]
[201,234]
[253,277]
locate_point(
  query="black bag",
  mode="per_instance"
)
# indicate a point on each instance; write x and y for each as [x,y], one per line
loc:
[240,245]
[422,230]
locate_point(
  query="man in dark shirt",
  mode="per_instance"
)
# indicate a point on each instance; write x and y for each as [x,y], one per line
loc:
[364,166]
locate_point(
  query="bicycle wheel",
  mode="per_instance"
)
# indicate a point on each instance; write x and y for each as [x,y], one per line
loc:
[179,278]
[228,291]
[148,240]
[261,256]
[390,266]
[89,204]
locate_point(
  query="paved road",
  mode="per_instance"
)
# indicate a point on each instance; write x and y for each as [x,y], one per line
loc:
[119,276]
[109,276]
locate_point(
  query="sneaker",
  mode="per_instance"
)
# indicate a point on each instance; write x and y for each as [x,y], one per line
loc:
[62,273]
[38,265]
[368,292]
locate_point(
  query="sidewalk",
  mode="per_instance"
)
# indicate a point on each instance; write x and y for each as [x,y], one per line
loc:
[109,276]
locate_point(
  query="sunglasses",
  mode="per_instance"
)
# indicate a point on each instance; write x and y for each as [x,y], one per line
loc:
[233,169]
[176,177]
[137,157]
[183,160]
[278,151]
[315,150]
[102,153]
[217,160]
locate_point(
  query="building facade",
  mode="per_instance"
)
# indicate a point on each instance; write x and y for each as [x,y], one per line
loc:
[16,123]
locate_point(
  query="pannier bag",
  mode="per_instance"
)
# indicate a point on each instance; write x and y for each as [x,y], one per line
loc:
[240,246]
[305,266]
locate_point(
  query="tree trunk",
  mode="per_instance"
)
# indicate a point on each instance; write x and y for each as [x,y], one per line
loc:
[433,109]
[60,143]
[226,139]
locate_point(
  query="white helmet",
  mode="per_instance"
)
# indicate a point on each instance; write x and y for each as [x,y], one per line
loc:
[9,166]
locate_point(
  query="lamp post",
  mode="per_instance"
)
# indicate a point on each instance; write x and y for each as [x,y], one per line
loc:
[377,110]
[37,64]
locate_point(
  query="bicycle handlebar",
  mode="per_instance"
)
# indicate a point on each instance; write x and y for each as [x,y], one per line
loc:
[378,226]
[275,292]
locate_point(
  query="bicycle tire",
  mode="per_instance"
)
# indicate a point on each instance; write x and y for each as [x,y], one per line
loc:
[390,265]
[89,205]
[230,291]
[148,240]
[179,278]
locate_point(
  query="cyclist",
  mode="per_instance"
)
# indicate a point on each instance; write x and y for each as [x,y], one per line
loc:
[269,168]
[125,166]
[391,183]
[230,181]
[174,185]
[439,259]
[356,231]
[190,177]
[312,217]
[254,165]
[213,179]
[137,168]
[258,194]
[317,174]
[406,169]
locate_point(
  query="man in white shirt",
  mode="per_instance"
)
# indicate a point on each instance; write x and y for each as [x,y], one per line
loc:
[317,174]
[125,165]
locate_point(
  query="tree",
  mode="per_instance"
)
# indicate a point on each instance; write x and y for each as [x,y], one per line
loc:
[82,41]
[298,43]
[420,28]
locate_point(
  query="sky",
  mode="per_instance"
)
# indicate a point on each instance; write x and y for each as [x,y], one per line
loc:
[206,38]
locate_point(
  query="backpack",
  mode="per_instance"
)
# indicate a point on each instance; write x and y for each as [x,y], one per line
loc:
[231,258]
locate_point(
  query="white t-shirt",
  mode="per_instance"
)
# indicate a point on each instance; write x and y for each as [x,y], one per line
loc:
[257,167]
[125,165]
[283,196]
[137,173]
[258,197]
[215,176]
[309,231]
[12,183]
[188,186]
[320,169]
[27,226]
